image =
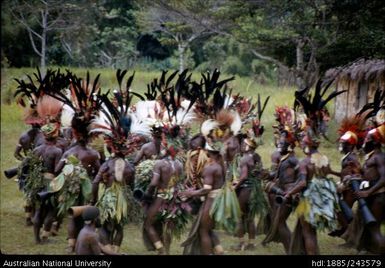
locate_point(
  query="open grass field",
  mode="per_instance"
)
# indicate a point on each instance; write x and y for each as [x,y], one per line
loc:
[16,238]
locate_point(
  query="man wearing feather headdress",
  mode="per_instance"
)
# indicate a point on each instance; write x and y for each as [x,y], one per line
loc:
[112,186]
[372,188]
[248,186]
[166,174]
[44,110]
[80,163]
[31,138]
[202,239]
[165,213]
[49,154]
[283,176]
[352,135]
[318,203]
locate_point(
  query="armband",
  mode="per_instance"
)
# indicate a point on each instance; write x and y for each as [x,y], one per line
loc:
[207,186]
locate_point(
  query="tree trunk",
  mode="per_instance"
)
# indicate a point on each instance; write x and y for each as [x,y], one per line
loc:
[43,52]
[181,52]
[300,66]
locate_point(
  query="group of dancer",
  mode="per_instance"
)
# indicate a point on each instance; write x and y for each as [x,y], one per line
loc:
[186,153]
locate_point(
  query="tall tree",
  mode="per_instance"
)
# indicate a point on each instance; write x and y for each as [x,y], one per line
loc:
[40,18]
[180,22]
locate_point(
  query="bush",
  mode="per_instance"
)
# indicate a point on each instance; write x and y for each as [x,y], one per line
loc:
[148,64]
[233,65]
[189,62]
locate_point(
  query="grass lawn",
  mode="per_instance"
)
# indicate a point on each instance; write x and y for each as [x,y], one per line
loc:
[16,238]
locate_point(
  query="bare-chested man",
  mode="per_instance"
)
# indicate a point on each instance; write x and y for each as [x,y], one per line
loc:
[350,168]
[283,177]
[250,168]
[150,150]
[50,154]
[202,239]
[28,141]
[89,159]
[317,206]
[374,174]
[115,174]
[88,240]
[165,175]
[196,159]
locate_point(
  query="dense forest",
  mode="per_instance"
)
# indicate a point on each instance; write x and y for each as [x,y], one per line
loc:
[290,41]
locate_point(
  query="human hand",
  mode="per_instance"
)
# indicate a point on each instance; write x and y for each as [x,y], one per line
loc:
[362,194]
[287,195]
[185,195]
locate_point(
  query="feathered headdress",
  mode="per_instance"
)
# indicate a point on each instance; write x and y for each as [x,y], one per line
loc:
[84,102]
[313,106]
[352,130]
[122,130]
[40,109]
[178,100]
[212,95]
[376,108]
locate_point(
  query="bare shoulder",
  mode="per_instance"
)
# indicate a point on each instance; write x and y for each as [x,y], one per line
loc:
[147,145]
[24,138]
[56,150]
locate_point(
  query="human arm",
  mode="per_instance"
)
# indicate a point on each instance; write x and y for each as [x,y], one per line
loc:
[380,163]
[208,180]
[95,183]
[17,153]
[140,154]
[244,167]
[301,180]
[155,179]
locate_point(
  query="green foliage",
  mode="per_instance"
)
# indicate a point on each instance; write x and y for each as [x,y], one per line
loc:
[75,186]
[225,210]
[15,238]
[35,181]
[188,60]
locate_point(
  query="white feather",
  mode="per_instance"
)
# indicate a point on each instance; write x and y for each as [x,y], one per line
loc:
[237,123]
[207,126]
[146,109]
[100,124]
[66,116]
[228,101]
[140,126]
[185,118]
